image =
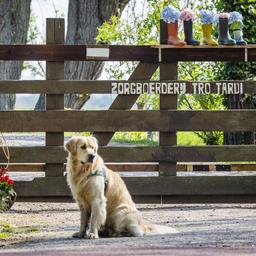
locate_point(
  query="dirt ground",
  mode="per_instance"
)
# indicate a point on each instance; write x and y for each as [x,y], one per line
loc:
[215,226]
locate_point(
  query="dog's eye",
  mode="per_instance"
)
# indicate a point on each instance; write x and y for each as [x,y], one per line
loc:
[83,147]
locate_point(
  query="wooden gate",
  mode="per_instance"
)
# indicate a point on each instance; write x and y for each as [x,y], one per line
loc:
[54,121]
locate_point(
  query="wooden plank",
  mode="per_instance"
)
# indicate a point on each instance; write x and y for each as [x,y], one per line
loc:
[98,86]
[162,199]
[144,167]
[206,54]
[62,52]
[133,167]
[55,33]
[127,53]
[26,168]
[150,186]
[167,102]
[243,167]
[56,154]
[113,120]
[125,102]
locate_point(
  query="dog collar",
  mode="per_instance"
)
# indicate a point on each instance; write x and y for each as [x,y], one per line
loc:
[100,172]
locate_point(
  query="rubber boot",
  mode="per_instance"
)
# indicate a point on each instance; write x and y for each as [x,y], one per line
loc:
[188,30]
[224,36]
[173,37]
[207,35]
[238,36]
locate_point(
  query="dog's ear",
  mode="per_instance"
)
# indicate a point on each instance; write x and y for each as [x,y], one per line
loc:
[95,141]
[71,145]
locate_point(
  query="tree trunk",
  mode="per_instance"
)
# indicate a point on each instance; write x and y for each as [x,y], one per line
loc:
[84,17]
[14,23]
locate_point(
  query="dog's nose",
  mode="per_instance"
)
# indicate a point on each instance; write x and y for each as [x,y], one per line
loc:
[90,157]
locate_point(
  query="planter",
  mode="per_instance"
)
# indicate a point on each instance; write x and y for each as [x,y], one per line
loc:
[7,199]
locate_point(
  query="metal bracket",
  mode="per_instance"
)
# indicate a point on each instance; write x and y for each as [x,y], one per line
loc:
[159,54]
[245,54]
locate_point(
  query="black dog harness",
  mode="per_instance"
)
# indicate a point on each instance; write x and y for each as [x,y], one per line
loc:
[100,172]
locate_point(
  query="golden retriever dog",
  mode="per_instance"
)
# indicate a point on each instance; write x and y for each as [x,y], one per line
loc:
[103,199]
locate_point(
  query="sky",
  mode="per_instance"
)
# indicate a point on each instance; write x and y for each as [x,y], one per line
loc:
[42,9]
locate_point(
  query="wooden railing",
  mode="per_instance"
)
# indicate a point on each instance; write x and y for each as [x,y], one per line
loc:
[167,121]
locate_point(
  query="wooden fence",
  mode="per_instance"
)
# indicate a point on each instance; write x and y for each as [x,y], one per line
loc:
[167,187]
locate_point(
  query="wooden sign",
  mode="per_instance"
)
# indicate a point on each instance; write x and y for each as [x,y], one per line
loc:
[177,87]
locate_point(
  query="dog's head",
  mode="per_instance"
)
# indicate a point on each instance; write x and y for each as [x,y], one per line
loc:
[84,149]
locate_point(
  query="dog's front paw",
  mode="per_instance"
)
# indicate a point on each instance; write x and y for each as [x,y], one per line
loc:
[92,236]
[79,234]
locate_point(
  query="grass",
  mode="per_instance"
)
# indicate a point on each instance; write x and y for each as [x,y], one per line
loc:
[139,138]
[6,230]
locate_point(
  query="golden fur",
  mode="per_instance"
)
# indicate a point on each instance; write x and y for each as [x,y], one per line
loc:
[112,210]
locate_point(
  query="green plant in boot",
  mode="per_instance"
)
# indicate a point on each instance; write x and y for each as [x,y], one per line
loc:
[236,27]
[207,19]
[224,37]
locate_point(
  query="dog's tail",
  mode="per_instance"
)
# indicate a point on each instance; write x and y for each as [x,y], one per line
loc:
[151,230]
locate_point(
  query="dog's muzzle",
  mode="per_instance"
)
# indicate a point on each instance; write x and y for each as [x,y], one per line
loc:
[90,158]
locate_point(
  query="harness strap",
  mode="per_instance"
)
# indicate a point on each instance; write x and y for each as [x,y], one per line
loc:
[100,172]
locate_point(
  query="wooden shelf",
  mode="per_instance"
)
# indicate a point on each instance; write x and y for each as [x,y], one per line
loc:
[147,53]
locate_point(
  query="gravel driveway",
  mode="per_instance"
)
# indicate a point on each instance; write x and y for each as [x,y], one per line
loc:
[216,226]
[198,225]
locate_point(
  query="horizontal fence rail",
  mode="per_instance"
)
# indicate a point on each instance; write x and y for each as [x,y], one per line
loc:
[227,185]
[128,53]
[102,86]
[127,120]
[56,154]
[151,167]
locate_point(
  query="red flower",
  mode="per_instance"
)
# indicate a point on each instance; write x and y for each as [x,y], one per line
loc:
[10,182]
[6,178]
[2,171]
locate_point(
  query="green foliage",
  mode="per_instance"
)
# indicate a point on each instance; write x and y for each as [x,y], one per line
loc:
[240,70]
[141,138]
[143,28]
[6,230]
[138,138]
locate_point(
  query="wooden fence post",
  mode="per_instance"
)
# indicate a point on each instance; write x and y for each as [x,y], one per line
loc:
[55,33]
[168,71]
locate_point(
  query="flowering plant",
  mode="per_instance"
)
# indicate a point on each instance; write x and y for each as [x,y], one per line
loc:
[222,15]
[7,194]
[170,14]
[207,17]
[236,21]
[187,15]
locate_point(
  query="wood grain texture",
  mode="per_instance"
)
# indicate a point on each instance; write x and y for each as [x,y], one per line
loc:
[56,154]
[167,102]
[95,86]
[123,120]
[55,33]
[127,53]
[125,102]
[150,186]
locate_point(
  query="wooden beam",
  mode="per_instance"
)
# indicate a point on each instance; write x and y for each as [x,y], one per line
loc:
[125,102]
[55,154]
[55,33]
[127,53]
[150,186]
[148,167]
[97,86]
[167,102]
[121,120]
